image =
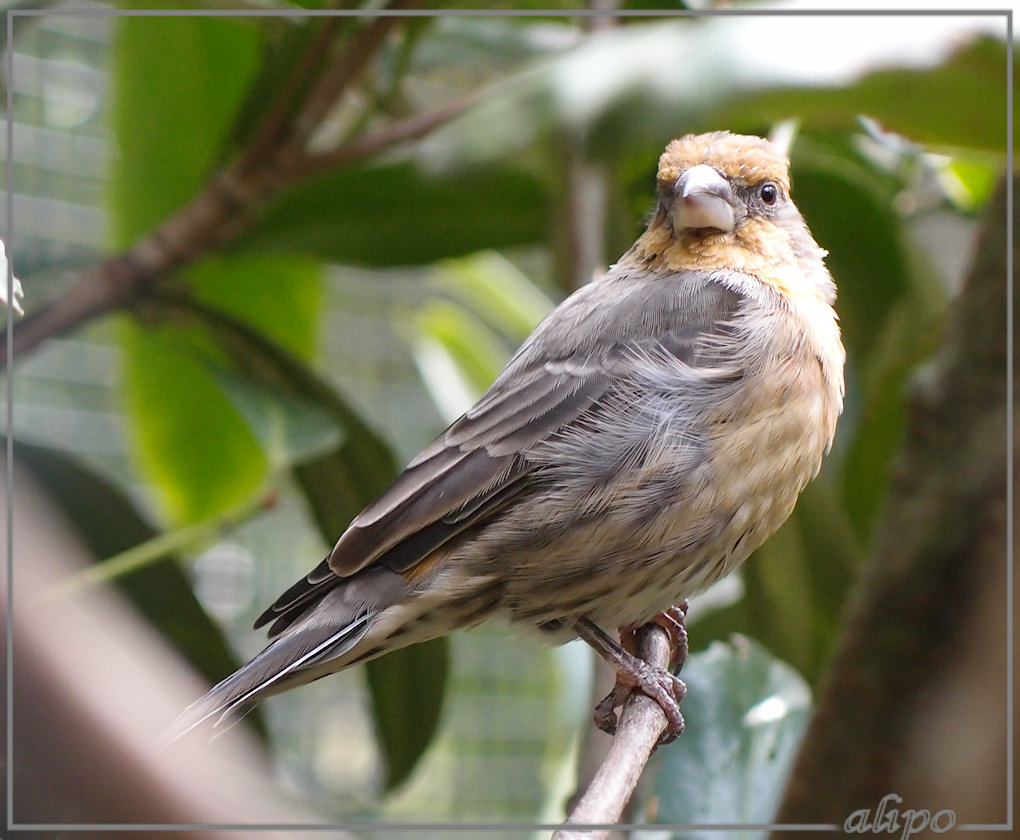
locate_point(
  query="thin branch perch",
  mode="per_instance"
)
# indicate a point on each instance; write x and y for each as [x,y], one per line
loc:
[642,722]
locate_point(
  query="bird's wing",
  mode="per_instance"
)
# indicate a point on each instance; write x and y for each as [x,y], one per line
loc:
[562,371]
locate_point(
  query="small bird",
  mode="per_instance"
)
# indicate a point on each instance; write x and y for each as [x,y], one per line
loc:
[650,433]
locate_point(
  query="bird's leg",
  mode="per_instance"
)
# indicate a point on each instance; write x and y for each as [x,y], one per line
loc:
[633,672]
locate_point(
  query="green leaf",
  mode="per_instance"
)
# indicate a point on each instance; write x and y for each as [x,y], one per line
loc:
[638,86]
[109,523]
[462,341]
[407,696]
[907,338]
[289,429]
[745,712]
[959,103]
[177,82]
[457,354]
[969,182]
[280,295]
[186,436]
[494,288]
[407,686]
[395,214]
[201,454]
[848,207]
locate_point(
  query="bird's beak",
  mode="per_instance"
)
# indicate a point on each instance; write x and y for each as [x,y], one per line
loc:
[704,199]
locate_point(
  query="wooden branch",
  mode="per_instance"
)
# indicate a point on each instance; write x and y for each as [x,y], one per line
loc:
[642,722]
[272,130]
[219,213]
[369,145]
[332,84]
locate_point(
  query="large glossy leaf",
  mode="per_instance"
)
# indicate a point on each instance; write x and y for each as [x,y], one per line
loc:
[343,480]
[959,103]
[407,686]
[279,295]
[396,214]
[907,338]
[497,291]
[202,454]
[177,82]
[109,523]
[848,206]
[745,712]
[172,109]
[194,448]
[289,429]
[407,695]
[463,339]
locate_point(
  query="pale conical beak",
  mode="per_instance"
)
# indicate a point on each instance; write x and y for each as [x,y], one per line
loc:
[704,200]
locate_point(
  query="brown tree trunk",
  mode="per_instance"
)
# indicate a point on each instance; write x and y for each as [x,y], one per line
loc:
[915,703]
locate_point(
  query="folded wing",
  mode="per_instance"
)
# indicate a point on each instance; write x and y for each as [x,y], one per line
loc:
[553,382]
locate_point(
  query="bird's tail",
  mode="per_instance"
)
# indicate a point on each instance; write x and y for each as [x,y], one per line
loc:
[331,633]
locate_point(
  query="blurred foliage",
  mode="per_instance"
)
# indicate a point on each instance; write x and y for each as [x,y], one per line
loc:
[109,524]
[221,389]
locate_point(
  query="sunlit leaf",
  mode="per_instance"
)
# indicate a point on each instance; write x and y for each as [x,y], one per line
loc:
[176,84]
[495,289]
[200,453]
[464,339]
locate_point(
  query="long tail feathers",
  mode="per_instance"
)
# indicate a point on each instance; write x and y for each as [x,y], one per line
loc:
[320,640]
[282,663]
[317,637]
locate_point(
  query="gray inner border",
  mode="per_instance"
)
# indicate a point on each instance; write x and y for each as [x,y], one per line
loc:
[11,14]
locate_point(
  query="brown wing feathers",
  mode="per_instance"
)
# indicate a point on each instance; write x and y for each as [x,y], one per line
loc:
[476,462]
[482,459]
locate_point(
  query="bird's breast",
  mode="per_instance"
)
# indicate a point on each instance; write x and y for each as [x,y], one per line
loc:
[671,482]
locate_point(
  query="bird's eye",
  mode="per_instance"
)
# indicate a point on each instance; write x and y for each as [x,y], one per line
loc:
[769,193]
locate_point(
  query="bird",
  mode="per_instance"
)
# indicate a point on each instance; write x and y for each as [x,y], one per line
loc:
[652,431]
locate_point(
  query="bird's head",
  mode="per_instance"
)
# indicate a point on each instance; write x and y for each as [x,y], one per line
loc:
[724,203]
[719,183]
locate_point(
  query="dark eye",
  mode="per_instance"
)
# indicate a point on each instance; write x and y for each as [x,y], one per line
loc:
[769,193]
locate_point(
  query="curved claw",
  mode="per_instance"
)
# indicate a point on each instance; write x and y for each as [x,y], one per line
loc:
[605,715]
[631,672]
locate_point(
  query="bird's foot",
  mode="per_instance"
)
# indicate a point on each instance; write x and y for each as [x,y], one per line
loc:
[663,687]
[633,672]
[673,621]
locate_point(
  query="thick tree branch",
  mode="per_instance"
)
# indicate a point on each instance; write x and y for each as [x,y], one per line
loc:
[928,588]
[225,208]
[272,131]
[642,722]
